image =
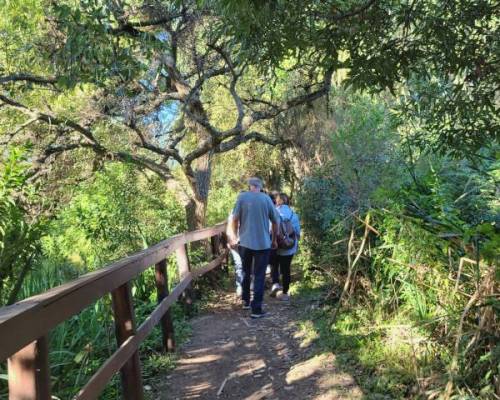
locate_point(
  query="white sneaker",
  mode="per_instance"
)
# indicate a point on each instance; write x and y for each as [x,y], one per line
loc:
[285,297]
[275,289]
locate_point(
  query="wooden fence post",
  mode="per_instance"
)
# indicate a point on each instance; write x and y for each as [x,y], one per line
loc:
[184,269]
[215,276]
[215,245]
[125,327]
[29,372]
[167,325]
[224,246]
[223,240]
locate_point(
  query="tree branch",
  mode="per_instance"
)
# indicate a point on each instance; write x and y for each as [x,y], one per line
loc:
[161,170]
[144,162]
[180,131]
[18,129]
[42,80]
[50,119]
[232,87]
[156,102]
[90,142]
[155,21]
[275,110]
[145,144]
[130,28]
[235,134]
[352,13]
[234,142]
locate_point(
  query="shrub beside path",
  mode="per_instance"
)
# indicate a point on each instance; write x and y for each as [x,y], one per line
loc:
[231,356]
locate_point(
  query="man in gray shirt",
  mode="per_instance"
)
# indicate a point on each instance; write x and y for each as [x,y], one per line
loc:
[251,216]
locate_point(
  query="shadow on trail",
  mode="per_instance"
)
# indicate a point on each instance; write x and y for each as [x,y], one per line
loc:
[231,356]
[354,354]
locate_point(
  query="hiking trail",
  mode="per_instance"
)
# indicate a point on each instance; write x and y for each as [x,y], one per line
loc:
[231,356]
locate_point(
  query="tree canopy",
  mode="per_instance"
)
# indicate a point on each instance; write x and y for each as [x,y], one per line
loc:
[106,70]
[440,57]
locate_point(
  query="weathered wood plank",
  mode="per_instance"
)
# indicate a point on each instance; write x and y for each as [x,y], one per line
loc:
[99,380]
[43,316]
[215,245]
[211,265]
[29,372]
[113,364]
[204,233]
[33,317]
[184,268]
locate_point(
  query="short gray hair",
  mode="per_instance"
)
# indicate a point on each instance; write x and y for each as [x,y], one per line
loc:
[254,181]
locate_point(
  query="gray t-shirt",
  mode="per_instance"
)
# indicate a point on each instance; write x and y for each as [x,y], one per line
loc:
[254,211]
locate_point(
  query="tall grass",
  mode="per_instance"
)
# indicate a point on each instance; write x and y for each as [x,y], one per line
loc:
[412,326]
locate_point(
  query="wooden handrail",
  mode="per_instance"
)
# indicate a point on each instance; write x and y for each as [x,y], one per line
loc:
[26,323]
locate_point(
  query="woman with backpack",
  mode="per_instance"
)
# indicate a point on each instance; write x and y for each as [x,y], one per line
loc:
[288,243]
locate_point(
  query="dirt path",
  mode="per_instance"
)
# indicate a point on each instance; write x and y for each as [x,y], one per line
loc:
[232,356]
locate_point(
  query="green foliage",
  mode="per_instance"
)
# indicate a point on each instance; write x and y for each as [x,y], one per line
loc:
[365,147]
[430,214]
[460,198]
[409,297]
[20,223]
[89,54]
[221,201]
[441,56]
[119,211]
[363,172]
[22,32]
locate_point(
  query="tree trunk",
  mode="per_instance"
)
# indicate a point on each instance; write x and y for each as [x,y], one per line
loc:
[198,171]
[20,279]
[200,175]
[195,198]
[195,214]
[1,290]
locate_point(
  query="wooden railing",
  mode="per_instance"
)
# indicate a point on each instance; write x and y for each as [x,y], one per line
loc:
[24,326]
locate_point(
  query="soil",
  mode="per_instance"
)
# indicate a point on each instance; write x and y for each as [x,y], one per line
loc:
[231,356]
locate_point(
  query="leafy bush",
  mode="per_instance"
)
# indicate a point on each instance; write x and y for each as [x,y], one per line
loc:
[118,212]
[429,262]
[21,224]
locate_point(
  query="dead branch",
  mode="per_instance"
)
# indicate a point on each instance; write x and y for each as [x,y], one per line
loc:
[20,128]
[351,265]
[454,363]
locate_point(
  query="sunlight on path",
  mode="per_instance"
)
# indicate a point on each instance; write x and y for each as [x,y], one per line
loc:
[231,356]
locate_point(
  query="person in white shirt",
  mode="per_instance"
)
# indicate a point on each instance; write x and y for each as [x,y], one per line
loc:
[238,266]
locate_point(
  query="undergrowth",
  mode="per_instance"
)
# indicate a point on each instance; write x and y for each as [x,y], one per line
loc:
[385,354]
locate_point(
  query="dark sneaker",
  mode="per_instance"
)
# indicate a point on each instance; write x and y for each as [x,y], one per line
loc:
[246,306]
[258,314]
